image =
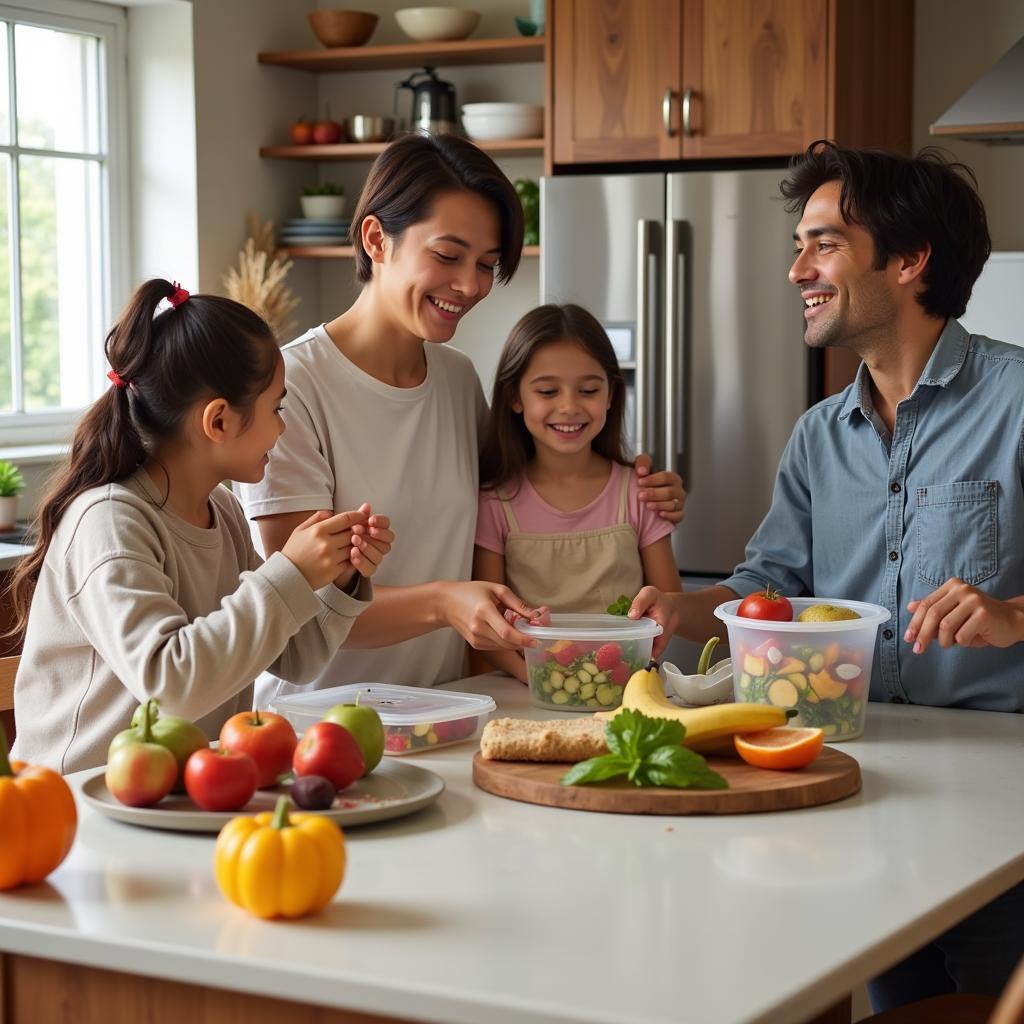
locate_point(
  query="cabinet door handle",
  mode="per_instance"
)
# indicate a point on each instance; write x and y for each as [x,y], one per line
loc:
[666,113]
[687,107]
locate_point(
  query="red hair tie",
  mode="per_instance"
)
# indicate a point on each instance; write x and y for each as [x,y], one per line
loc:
[117,380]
[178,296]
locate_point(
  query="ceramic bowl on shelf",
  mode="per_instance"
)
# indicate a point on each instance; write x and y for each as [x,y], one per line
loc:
[489,121]
[342,28]
[436,24]
[322,207]
[369,128]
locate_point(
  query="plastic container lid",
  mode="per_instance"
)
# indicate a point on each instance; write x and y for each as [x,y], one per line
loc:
[871,615]
[396,705]
[591,627]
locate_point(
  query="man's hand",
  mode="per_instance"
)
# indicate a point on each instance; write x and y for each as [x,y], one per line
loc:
[662,491]
[960,614]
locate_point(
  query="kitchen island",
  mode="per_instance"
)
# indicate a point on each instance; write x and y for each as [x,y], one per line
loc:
[481,910]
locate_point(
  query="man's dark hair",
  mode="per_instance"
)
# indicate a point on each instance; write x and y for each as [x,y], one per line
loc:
[905,203]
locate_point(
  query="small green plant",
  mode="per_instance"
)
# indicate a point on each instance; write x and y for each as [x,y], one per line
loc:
[328,188]
[11,480]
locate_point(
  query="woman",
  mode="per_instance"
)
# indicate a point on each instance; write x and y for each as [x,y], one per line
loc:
[379,406]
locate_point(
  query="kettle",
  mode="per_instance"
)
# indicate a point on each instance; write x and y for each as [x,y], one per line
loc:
[433,103]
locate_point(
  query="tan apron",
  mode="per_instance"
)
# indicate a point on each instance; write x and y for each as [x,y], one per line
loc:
[574,572]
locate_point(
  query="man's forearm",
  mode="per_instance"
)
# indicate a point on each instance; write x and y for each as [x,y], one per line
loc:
[696,608]
[397,614]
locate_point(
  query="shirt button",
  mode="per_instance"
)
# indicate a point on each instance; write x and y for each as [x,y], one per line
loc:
[895,488]
[893,556]
[887,634]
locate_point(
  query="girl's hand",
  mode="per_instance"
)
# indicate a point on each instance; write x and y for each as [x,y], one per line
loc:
[652,603]
[662,491]
[319,547]
[370,542]
[477,611]
[958,613]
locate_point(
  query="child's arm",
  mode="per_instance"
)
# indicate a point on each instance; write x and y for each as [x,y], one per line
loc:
[489,566]
[660,571]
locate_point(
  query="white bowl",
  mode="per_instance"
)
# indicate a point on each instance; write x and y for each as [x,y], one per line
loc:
[503,120]
[322,207]
[436,24]
[714,687]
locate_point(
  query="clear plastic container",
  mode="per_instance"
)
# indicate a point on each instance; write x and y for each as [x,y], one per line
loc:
[822,669]
[414,717]
[584,661]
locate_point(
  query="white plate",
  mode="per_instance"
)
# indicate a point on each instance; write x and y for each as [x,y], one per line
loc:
[393,789]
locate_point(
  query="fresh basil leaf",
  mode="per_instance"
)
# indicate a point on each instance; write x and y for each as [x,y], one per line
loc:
[597,769]
[622,733]
[659,732]
[620,606]
[681,769]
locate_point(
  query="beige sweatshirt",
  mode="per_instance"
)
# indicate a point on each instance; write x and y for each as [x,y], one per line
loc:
[134,602]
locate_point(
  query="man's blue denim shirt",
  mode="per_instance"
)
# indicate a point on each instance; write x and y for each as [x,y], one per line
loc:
[863,514]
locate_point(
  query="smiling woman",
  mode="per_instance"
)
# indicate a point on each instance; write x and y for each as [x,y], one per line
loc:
[379,406]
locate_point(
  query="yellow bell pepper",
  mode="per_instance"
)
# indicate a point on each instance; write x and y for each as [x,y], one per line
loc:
[276,866]
[37,820]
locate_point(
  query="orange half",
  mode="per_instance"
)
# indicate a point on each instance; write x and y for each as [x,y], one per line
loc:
[781,748]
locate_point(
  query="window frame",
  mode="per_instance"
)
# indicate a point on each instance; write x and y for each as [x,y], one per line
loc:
[110,25]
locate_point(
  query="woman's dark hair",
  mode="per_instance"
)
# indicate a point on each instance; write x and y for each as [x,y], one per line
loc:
[508,445]
[905,203]
[207,346]
[413,171]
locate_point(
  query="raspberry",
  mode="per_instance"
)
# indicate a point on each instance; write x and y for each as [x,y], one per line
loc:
[620,674]
[608,656]
[396,742]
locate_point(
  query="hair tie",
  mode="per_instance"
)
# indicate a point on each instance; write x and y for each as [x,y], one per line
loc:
[178,296]
[117,380]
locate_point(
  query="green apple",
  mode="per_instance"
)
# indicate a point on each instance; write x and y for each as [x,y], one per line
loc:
[366,728]
[178,735]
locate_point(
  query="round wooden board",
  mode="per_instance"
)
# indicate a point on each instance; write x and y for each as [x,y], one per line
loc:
[832,776]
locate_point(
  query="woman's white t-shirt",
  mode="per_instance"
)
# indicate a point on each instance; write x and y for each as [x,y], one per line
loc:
[412,454]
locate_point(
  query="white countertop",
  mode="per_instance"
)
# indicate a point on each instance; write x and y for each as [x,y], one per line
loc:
[484,909]
[11,554]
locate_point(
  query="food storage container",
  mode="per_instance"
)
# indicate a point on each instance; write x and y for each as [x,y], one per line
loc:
[822,669]
[583,661]
[414,717]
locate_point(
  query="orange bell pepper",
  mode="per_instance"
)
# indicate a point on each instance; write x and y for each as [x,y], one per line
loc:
[37,820]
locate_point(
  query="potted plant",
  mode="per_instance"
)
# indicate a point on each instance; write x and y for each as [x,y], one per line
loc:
[323,202]
[11,485]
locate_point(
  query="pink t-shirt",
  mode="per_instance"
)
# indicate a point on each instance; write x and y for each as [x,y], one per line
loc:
[535,515]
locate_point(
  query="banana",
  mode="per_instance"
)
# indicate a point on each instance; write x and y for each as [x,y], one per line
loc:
[645,693]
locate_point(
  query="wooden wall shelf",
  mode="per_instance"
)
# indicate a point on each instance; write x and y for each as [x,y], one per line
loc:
[327,252]
[517,50]
[369,150]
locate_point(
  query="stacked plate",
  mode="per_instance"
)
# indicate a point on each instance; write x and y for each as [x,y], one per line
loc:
[306,231]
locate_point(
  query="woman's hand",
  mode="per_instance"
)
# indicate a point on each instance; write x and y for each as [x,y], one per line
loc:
[960,614]
[653,604]
[477,611]
[371,541]
[663,491]
[319,547]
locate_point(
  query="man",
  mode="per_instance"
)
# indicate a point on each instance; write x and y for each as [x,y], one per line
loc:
[906,490]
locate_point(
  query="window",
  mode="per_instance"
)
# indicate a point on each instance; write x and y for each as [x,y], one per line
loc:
[61,91]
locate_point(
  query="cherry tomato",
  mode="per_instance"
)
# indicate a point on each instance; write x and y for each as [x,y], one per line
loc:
[766,604]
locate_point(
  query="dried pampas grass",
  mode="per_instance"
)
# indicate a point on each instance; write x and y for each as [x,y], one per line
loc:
[259,279]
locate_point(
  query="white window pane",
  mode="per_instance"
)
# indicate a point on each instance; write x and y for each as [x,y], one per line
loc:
[5,100]
[6,389]
[61,279]
[57,75]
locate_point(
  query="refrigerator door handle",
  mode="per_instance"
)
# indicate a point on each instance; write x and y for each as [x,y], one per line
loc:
[674,395]
[642,353]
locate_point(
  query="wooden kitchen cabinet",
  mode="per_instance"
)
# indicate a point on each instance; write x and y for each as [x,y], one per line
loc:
[669,80]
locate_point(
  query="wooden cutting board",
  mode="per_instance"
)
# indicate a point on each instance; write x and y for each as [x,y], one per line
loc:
[832,776]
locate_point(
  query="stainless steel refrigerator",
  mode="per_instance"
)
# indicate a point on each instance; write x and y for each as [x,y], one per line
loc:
[688,273]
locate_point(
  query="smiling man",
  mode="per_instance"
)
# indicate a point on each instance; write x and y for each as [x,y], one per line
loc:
[907,489]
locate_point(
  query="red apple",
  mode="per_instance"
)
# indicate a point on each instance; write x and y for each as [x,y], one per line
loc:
[139,771]
[220,780]
[267,738]
[302,132]
[326,132]
[329,750]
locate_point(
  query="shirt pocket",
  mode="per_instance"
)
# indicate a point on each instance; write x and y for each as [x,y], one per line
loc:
[956,531]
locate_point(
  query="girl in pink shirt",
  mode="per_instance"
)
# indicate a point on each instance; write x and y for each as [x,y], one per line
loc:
[559,517]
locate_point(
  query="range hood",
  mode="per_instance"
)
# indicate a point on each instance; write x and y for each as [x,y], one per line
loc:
[992,110]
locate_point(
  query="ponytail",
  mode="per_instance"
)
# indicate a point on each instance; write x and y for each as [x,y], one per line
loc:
[162,364]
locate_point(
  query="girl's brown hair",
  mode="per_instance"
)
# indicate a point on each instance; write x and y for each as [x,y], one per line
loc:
[207,346]
[413,171]
[508,446]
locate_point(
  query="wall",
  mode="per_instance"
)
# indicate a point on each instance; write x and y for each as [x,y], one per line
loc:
[955,43]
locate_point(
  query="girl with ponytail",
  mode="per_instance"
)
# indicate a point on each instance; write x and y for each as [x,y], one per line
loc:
[143,581]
